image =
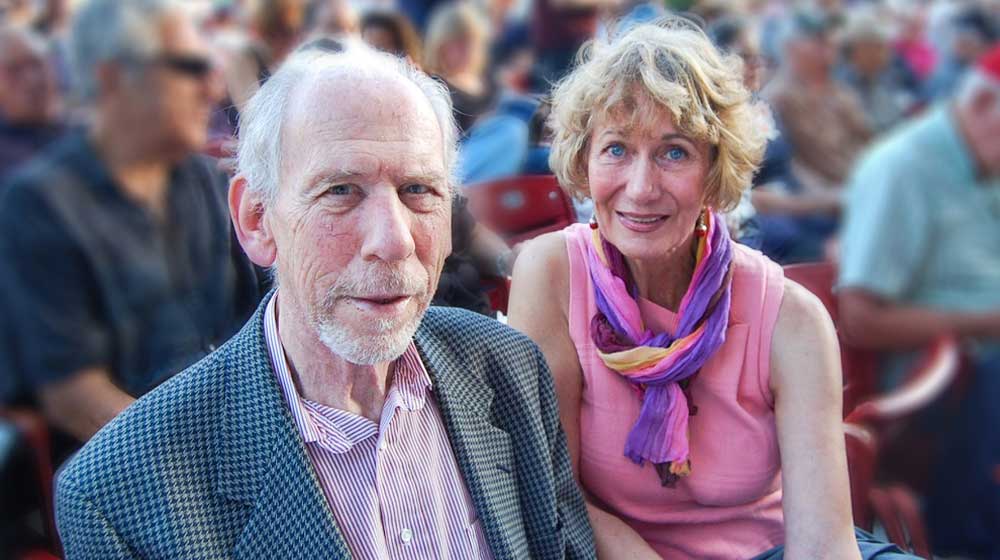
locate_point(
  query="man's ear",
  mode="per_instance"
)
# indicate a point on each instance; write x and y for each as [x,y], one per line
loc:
[247,210]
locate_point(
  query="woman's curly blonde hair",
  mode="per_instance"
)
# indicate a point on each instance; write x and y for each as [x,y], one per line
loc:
[672,63]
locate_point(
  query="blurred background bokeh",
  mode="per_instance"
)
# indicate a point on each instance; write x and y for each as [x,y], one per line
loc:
[878,191]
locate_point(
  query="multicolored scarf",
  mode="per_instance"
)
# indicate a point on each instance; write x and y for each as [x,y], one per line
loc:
[658,364]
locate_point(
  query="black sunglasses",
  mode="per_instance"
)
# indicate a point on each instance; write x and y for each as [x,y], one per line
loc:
[189,65]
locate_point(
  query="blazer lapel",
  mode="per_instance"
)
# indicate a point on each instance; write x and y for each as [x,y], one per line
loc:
[484,452]
[263,461]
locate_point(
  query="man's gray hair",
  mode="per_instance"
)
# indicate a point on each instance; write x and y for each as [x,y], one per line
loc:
[261,121]
[113,30]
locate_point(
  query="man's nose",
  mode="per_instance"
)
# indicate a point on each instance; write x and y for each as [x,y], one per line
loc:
[386,229]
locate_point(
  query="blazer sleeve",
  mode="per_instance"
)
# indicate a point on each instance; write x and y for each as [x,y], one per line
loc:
[572,510]
[83,529]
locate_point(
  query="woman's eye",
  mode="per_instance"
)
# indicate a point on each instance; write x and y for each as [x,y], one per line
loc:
[616,150]
[676,154]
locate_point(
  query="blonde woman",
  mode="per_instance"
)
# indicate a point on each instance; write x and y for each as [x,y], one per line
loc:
[699,389]
[456,51]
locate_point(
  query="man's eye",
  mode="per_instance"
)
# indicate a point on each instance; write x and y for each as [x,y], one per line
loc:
[340,190]
[416,189]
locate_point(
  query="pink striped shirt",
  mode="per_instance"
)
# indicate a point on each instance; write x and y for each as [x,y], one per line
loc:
[393,487]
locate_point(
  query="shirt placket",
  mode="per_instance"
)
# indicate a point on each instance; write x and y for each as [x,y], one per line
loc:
[406,535]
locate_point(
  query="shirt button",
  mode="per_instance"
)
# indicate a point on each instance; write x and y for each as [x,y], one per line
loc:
[383,445]
[406,536]
[211,348]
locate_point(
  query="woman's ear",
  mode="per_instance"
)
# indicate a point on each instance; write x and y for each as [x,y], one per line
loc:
[247,209]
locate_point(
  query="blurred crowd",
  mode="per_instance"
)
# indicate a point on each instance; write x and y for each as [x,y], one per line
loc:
[118,266]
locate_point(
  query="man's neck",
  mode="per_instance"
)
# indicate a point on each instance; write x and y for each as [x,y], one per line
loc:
[141,174]
[324,377]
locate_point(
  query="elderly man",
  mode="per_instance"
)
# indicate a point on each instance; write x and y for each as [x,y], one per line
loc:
[29,100]
[119,264]
[921,258]
[343,421]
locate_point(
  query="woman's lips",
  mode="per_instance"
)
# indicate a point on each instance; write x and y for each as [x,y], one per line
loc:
[641,223]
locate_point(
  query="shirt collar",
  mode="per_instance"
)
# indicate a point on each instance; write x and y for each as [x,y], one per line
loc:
[339,430]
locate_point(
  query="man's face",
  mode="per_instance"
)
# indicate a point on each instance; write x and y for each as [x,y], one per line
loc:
[812,56]
[176,89]
[27,84]
[361,221]
[870,57]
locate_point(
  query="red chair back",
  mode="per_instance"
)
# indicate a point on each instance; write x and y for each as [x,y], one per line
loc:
[860,367]
[521,208]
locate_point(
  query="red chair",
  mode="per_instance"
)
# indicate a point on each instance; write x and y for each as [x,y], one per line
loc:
[34,430]
[860,366]
[521,208]
[872,418]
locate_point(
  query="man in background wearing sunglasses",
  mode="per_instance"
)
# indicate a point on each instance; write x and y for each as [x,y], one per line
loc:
[116,245]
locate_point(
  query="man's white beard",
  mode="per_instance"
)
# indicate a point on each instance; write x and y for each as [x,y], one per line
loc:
[391,337]
[390,342]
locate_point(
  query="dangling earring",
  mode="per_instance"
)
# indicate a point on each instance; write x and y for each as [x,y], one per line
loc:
[593,222]
[701,228]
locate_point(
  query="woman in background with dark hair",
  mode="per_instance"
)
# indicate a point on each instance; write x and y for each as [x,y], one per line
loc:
[393,33]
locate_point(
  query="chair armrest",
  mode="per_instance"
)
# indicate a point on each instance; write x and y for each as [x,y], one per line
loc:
[934,373]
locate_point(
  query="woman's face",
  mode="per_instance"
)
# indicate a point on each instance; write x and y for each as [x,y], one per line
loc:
[382,39]
[647,183]
[462,54]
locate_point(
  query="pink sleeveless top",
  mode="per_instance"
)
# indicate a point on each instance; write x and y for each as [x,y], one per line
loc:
[730,505]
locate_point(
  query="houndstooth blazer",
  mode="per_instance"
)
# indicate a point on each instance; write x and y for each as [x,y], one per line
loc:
[210,465]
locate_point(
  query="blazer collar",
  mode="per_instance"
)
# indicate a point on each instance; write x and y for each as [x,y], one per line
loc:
[262,460]
[483,450]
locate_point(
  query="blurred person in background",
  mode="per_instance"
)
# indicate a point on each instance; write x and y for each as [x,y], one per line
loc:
[737,35]
[456,50]
[869,68]
[911,44]
[19,13]
[54,18]
[336,18]
[920,258]
[558,29]
[822,128]
[276,28]
[117,248]
[29,100]
[822,120]
[53,23]
[965,32]
[391,32]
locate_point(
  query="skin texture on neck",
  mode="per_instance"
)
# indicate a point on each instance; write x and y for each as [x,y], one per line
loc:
[665,280]
[322,376]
